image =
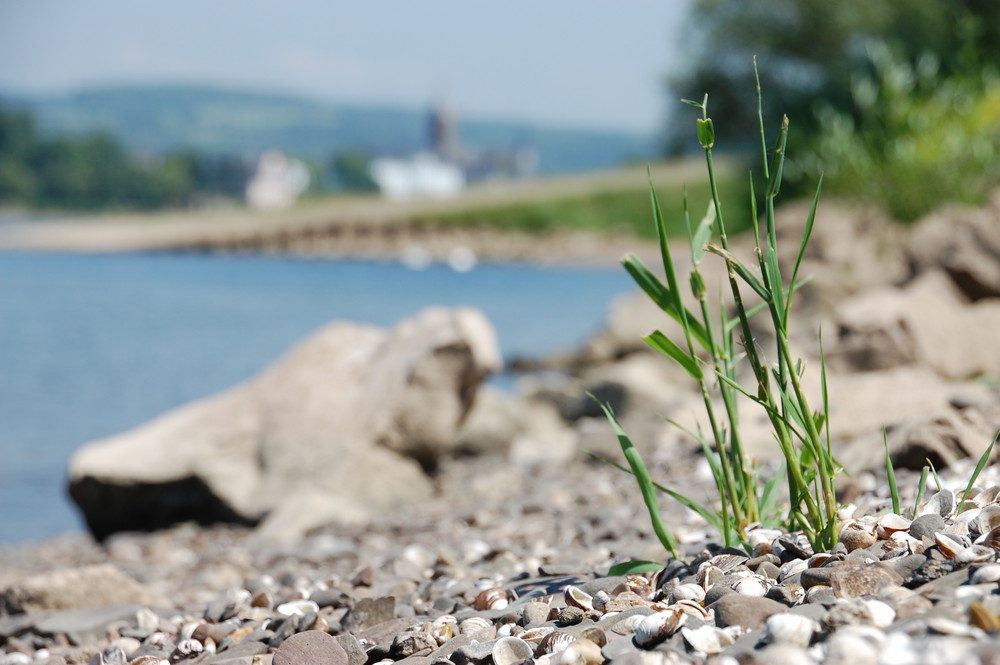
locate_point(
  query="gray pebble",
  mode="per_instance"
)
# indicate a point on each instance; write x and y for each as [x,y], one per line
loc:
[926,526]
[748,611]
[312,647]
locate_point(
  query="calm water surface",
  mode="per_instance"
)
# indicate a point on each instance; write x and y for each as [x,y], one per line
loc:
[92,345]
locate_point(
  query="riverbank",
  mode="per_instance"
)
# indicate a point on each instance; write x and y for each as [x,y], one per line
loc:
[368,227]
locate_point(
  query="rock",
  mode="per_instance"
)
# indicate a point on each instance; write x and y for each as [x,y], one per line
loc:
[312,647]
[370,612]
[926,322]
[851,579]
[77,588]
[353,410]
[738,610]
[965,243]
[850,249]
[926,526]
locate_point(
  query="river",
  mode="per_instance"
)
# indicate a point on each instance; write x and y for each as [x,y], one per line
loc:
[91,345]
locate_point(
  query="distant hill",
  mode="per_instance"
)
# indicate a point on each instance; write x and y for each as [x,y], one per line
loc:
[159,119]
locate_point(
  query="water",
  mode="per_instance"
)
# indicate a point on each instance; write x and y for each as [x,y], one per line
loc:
[91,345]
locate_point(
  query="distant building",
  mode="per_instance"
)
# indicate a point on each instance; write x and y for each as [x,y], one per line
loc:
[278,181]
[445,170]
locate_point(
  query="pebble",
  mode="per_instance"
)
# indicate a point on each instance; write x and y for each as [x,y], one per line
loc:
[405,592]
[311,647]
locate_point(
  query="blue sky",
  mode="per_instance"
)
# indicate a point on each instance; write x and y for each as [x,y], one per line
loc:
[568,62]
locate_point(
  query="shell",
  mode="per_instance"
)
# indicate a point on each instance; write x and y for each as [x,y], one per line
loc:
[984,618]
[987,496]
[149,660]
[991,540]
[444,628]
[709,575]
[493,598]
[535,635]
[639,584]
[755,585]
[511,650]
[474,625]
[790,629]
[985,574]
[627,625]
[185,649]
[576,597]
[657,627]
[950,547]
[687,592]
[791,568]
[297,608]
[942,503]
[882,614]
[693,608]
[857,536]
[580,652]
[600,600]
[707,639]
[115,655]
[988,519]
[891,523]
[554,642]
[976,554]
[727,562]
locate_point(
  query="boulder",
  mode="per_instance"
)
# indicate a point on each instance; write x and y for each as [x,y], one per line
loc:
[353,412]
[965,243]
[87,587]
[927,322]
[850,249]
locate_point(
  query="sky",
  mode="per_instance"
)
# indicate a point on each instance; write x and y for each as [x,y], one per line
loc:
[579,63]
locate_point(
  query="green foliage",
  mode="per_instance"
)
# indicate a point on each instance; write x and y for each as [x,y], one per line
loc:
[94,172]
[897,102]
[350,170]
[709,350]
[914,140]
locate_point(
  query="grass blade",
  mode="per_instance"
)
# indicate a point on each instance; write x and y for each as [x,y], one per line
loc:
[983,459]
[660,294]
[662,343]
[742,271]
[641,473]
[891,473]
[920,489]
[631,567]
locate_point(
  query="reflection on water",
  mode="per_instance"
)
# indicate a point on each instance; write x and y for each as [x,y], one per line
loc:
[92,345]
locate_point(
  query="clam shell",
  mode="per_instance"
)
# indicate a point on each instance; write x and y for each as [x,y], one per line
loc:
[727,562]
[687,592]
[790,629]
[297,608]
[511,650]
[627,625]
[791,568]
[657,627]
[976,554]
[493,598]
[579,598]
[474,625]
[891,523]
[692,607]
[985,574]
[709,575]
[639,584]
[987,496]
[991,540]
[580,652]
[988,519]
[554,642]
[535,635]
[950,546]
[600,600]
[707,639]
[755,585]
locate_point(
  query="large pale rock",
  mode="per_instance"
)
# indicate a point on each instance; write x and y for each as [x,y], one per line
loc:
[965,243]
[354,411]
[926,322]
[850,249]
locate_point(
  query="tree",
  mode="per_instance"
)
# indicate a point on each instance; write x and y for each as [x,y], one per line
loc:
[812,50]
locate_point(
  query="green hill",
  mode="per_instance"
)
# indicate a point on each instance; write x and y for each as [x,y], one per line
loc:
[160,119]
